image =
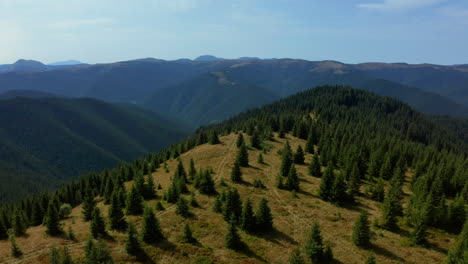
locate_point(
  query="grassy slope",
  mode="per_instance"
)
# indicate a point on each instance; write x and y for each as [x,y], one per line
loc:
[292,220]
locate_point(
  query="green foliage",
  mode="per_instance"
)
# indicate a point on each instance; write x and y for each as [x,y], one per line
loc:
[151,230]
[326,185]
[205,183]
[296,257]
[371,260]
[242,157]
[19,224]
[159,206]
[286,159]
[134,204]
[60,256]
[51,221]
[260,159]
[232,205]
[264,219]
[97,253]
[88,205]
[98,227]
[65,210]
[240,140]
[361,230]
[232,240]
[299,155]
[314,244]
[315,167]
[187,236]
[14,248]
[132,245]
[182,207]
[247,221]
[115,213]
[236,173]
[70,234]
[459,252]
[292,180]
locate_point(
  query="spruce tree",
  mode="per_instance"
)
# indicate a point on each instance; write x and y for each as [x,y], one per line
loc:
[18,223]
[232,239]
[361,230]
[326,184]
[236,173]
[132,245]
[296,257]
[314,244]
[14,248]
[240,140]
[309,147]
[116,214]
[159,206]
[260,159]
[37,214]
[232,208]
[182,207]
[192,170]
[391,207]
[242,156]
[98,227]
[150,190]
[151,230]
[88,206]
[459,252]
[206,183]
[315,167]
[255,140]
[371,260]
[193,200]
[292,180]
[97,253]
[264,219]
[213,138]
[134,204]
[299,155]
[248,221]
[51,221]
[54,256]
[286,159]
[70,234]
[187,236]
[338,193]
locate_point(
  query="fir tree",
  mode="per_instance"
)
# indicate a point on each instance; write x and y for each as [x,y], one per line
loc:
[193,200]
[116,214]
[378,190]
[315,167]
[98,227]
[286,159]
[242,156]
[192,170]
[182,207]
[264,219]
[18,224]
[326,184]
[314,244]
[134,202]
[338,193]
[213,138]
[88,206]
[232,208]
[296,257]
[14,248]
[97,253]
[151,231]
[54,256]
[218,205]
[232,240]
[361,230]
[236,174]
[240,140]
[248,221]
[309,147]
[292,180]
[459,252]
[37,215]
[70,234]
[206,183]
[260,159]
[150,191]
[51,221]
[187,236]
[391,207]
[255,140]
[159,206]
[299,155]
[132,245]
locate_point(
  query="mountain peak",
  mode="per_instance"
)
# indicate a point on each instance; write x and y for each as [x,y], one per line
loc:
[208,58]
[66,63]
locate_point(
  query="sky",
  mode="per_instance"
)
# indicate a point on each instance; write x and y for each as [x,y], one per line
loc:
[351,31]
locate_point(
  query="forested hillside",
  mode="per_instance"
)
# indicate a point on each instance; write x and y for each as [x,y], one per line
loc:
[48,141]
[329,175]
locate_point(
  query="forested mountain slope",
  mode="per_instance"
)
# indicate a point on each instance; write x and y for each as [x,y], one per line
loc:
[50,140]
[345,174]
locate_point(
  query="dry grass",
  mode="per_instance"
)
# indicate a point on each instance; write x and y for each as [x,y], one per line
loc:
[292,220]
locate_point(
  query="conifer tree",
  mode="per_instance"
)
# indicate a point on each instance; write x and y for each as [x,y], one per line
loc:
[182,207]
[255,140]
[260,159]
[18,224]
[292,180]
[116,214]
[309,147]
[353,182]
[242,156]
[187,236]
[132,245]
[151,230]
[134,202]
[314,244]
[159,206]
[391,207]
[378,190]
[213,138]
[338,193]
[218,205]
[51,221]
[206,183]
[98,227]
[88,206]
[264,219]
[236,173]
[248,221]
[315,167]
[232,208]
[109,188]
[232,240]
[180,171]
[150,191]
[97,253]
[371,260]
[326,184]
[192,170]
[459,252]
[54,256]
[240,140]
[14,248]
[361,230]
[193,200]
[37,214]
[286,159]
[299,155]
[70,234]
[296,257]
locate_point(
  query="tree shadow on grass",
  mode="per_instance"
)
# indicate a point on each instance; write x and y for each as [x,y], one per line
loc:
[143,257]
[275,236]
[244,249]
[384,252]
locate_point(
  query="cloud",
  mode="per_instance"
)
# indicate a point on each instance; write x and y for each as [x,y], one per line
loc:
[399,4]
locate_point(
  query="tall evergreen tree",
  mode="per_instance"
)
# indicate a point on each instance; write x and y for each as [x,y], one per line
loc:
[88,205]
[314,245]
[192,170]
[315,167]
[296,257]
[134,202]
[240,140]
[248,221]
[98,227]
[292,180]
[18,223]
[242,156]
[361,230]
[116,214]
[151,230]
[14,248]
[255,140]
[182,207]
[187,236]
[97,253]
[236,173]
[263,216]
[371,260]
[299,155]
[338,193]
[51,221]
[213,138]
[326,184]
[232,240]
[459,252]
[286,159]
[132,245]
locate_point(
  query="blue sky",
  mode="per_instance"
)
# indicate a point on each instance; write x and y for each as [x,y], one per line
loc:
[414,31]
